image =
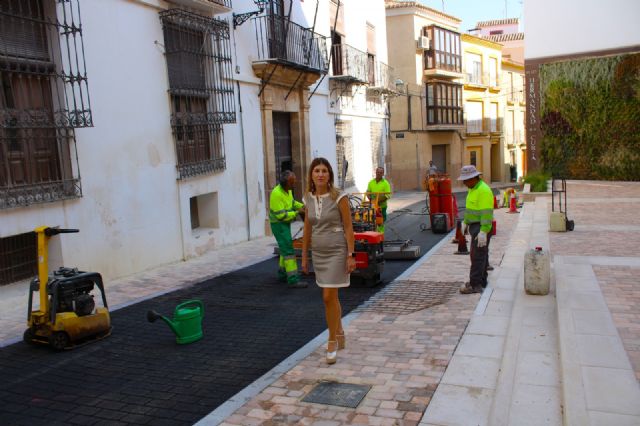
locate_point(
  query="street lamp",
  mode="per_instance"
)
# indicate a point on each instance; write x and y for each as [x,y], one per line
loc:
[399,86]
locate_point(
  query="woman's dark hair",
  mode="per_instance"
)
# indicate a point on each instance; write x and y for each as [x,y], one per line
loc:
[311,187]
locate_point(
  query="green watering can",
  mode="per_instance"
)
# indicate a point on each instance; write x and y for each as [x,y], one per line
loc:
[187,321]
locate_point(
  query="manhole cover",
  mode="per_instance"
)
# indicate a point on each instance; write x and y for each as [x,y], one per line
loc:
[406,297]
[341,394]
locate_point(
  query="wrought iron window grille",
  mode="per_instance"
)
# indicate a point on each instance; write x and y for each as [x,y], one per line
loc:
[198,55]
[43,96]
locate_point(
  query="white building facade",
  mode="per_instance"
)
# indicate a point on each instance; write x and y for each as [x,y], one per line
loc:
[163,126]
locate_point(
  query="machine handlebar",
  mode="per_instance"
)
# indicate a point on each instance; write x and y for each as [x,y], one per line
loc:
[55,231]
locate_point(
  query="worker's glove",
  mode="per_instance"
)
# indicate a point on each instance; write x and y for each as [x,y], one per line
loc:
[482,239]
[465,229]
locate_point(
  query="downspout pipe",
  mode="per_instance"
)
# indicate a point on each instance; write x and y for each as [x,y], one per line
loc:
[244,164]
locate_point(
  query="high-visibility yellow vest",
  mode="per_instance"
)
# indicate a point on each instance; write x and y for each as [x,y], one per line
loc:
[282,206]
[382,186]
[479,206]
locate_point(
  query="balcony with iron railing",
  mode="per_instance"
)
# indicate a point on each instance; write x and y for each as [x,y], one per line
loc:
[474,79]
[514,137]
[483,126]
[494,125]
[518,137]
[380,78]
[474,126]
[348,64]
[216,6]
[483,80]
[281,41]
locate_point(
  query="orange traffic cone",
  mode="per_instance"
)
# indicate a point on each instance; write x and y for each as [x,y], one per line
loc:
[512,204]
[495,202]
[461,239]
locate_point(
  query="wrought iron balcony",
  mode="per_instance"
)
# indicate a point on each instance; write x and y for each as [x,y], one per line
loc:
[225,3]
[348,63]
[217,6]
[380,77]
[475,79]
[484,125]
[493,125]
[474,126]
[284,42]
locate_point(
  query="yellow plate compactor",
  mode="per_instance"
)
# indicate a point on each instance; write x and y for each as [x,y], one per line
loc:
[67,315]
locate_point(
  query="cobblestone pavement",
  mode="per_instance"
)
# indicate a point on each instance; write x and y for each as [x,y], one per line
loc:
[398,346]
[606,225]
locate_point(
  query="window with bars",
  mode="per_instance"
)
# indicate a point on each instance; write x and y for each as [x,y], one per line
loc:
[18,257]
[198,57]
[43,97]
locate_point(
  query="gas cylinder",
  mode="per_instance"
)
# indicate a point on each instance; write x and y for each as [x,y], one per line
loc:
[446,207]
[537,272]
[434,203]
[444,186]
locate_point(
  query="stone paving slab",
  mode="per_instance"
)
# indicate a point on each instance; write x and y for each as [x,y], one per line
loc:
[596,269]
[401,352]
[622,295]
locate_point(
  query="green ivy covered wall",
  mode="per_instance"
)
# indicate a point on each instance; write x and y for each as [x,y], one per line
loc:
[590,118]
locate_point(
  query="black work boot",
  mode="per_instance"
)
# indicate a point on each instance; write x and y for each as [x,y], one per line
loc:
[467,289]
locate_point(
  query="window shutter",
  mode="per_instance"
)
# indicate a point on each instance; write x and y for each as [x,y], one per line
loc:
[22,32]
[371,39]
[339,22]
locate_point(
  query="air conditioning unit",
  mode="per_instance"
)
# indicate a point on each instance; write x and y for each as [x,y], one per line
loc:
[423,42]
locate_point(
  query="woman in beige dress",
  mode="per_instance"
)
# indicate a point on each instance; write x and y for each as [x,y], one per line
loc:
[328,231]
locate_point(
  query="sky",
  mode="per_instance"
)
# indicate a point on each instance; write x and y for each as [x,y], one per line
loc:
[472,11]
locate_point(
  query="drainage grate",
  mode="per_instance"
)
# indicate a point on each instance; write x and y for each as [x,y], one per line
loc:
[341,394]
[406,297]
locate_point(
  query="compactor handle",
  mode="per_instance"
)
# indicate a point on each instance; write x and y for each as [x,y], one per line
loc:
[49,232]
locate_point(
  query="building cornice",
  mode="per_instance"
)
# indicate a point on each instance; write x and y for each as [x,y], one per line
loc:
[513,64]
[480,41]
[420,7]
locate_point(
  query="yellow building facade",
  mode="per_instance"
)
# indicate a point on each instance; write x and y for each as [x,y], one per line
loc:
[450,105]
[426,115]
[484,107]
[514,117]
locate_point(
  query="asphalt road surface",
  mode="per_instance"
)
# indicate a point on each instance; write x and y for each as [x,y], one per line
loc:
[139,375]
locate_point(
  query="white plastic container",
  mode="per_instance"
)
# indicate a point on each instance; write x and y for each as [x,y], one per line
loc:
[537,272]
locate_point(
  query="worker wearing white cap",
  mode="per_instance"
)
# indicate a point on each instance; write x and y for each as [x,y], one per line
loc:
[478,218]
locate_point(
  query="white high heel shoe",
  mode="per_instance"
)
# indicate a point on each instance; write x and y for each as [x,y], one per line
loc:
[332,357]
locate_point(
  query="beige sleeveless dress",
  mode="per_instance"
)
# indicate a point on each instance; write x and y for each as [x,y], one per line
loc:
[328,243]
